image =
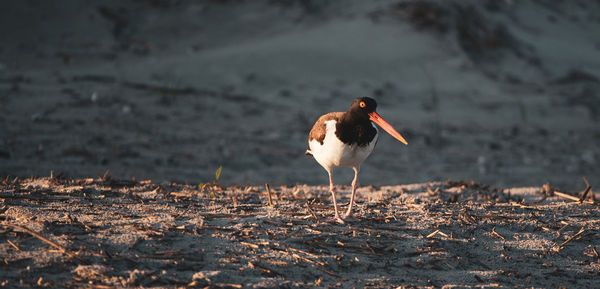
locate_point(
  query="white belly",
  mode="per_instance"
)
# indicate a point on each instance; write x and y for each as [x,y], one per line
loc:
[334,153]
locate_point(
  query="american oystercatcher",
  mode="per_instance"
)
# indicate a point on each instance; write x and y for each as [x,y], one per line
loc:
[346,139]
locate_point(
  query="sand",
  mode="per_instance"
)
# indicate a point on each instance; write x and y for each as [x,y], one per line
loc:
[96,96]
[502,93]
[103,233]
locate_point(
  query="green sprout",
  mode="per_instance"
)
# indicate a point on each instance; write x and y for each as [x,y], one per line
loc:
[214,185]
[218,174]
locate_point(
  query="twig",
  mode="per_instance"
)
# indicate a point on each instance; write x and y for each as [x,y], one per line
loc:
[282,250]
[588,187]
[102,286]
[436,232]
[5,182]
[496,233]
[465,214]
[235,203]
[306,259]
[13,244]
[41,198]
[370,248]
[432,234]
[106,176]
[269,194]
[225,285]
[47,241]
[333,274]
[563,195]
[310,210]
[264,269]
[304,252]
[585,193]
[249,245]
[570,239]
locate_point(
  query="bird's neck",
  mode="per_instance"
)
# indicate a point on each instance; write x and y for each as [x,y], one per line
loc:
[355,129]
[353,118]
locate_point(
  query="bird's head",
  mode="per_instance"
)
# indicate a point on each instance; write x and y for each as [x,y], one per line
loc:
[363,105]
[364,108]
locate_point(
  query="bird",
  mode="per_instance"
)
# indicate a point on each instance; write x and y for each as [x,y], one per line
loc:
[346,139]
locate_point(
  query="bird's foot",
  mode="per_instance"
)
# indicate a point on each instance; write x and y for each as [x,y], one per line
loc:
[348,217]
[347,214]
[337,219]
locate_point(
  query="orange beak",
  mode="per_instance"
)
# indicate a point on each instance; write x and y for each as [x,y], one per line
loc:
[376,118]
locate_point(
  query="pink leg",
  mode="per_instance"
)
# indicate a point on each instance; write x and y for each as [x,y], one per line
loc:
[354,185]
[332,190]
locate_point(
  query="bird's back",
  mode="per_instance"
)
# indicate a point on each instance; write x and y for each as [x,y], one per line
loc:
[319,130]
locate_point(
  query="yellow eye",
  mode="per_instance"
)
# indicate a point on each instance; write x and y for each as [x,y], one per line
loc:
[362,104]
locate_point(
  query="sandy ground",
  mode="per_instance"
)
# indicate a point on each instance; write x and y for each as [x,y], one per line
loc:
[500,92]
[99,94]
[103,233]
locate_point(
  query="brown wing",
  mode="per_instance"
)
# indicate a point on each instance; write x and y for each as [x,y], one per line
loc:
[320,128]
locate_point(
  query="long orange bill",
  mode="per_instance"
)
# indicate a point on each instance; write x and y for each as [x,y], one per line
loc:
[376,118]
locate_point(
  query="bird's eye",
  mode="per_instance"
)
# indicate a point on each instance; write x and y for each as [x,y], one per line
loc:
[362,104]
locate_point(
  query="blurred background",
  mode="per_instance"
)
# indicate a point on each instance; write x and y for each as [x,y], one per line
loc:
[499,92]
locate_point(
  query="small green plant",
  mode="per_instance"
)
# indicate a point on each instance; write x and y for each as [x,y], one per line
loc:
[218,174]
[214,185]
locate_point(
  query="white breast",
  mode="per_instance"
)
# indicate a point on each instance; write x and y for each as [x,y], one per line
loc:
[335,153]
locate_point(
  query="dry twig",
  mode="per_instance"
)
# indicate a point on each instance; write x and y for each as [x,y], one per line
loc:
[14,245]
[570,239]
[47,241]
[304,252]
[436,232]
[263,269]
[496,233]
[312,213]
[269,195]
[588,190]
[249,245]
[333,274]
[566,196]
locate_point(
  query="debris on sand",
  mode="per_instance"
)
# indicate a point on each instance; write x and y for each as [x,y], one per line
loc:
[104,232]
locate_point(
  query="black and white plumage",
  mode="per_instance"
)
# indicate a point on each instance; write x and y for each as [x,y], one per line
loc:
[346,139]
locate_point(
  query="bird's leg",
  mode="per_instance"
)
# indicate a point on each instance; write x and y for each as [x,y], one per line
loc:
[332,190]
[354,185]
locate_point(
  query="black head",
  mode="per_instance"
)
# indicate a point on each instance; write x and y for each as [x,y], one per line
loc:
[362,111]
[363,106]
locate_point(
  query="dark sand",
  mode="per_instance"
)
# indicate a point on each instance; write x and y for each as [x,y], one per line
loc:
[505,94]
